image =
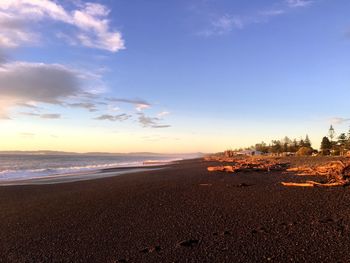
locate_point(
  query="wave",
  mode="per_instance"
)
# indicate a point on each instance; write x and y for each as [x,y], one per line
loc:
[21,174]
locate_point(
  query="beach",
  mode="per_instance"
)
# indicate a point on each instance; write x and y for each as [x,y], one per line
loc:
[180,213]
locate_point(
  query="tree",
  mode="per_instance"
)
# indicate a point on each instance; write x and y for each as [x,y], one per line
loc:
[307,142]
[276,146]
[326,146]
[262,147]
[342,143]
[347,144]
[342,139]
[305,151]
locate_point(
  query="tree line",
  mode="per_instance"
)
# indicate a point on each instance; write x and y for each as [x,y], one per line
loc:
[286,145]
[330,145]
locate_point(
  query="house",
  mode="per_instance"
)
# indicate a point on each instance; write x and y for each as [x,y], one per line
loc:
[249,152]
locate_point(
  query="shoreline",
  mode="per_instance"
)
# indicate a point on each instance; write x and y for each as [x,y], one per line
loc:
[86,175]
[179,214]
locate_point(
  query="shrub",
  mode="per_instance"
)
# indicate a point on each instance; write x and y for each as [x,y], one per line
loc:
[305,151]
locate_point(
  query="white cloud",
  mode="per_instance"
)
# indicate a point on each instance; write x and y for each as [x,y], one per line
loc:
[298,3]
[90,20]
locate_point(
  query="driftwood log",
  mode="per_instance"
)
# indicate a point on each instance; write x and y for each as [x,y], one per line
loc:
[337,173]
[250,164]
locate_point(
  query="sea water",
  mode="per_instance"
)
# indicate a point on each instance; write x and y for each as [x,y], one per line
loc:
[25,167]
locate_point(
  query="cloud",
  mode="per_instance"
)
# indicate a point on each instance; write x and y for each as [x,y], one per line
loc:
[339,120]
[226,23]
[160,126]
[3,57]
[150,122]
[85,105]
[222,25]
[27,105]
[298,3]
[89,19]
[138,103]
[42,116]
[108,117]
[14,31]
[163,113]
[272,12]
[29,83]
[50,116]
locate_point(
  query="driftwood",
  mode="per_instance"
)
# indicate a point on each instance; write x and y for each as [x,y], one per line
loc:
[250,164]
[336,172]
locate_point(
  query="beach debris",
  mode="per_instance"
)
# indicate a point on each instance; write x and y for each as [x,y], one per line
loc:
[337,173]
[205,184]
[151,249]
[189,243]
[250,164]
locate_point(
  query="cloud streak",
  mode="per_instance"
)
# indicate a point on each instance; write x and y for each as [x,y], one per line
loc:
[339,120]
[42,116]
[226,23]
[92,107]
[108,117]
[150,122]
[89,20]
[138,103]
[298,3]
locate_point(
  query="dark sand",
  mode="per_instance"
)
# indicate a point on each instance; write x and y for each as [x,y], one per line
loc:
[168,216]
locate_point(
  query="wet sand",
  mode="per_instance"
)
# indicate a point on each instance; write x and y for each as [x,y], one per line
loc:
[178,214]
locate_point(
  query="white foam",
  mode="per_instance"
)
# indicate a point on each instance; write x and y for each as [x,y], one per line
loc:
[27,174]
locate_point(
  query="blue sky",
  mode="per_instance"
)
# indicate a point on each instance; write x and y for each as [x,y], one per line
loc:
[171,76]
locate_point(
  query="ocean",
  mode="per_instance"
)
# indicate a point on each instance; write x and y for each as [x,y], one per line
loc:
[25,167]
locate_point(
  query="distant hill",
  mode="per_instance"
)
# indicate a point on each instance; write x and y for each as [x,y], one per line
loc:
[45,152]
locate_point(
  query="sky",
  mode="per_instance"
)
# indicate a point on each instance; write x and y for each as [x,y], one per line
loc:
[171,76]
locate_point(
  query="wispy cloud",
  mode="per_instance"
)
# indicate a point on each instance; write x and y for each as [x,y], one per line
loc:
[222,25]
[226,23]
[92,107]
[138,103]
[89,19]
[50,116]
[42,116]
[151,122]
[272,12]
[163,113]
[339,120]
[108,117]
[298,3]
